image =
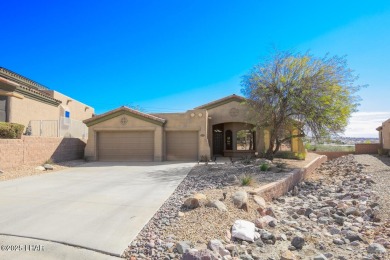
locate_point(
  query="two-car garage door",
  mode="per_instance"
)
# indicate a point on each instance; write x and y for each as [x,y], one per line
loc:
[126,146]
[139,146]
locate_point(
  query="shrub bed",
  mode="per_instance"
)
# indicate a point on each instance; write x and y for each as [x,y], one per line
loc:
[11,130]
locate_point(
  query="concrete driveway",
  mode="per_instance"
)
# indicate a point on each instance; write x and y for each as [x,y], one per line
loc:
[98,206]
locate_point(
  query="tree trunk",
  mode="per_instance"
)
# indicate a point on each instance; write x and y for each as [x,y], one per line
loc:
[278,144]
[270,152]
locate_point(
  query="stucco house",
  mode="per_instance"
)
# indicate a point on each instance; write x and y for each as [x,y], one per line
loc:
[384,135]
[46,112]
[218,128]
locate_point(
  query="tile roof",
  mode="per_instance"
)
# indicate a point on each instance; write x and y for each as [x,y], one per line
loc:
[27,86]
[128,110]
[222,101]
[21,79]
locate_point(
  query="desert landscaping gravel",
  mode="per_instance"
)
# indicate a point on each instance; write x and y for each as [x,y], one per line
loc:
[379,168]
[335,214]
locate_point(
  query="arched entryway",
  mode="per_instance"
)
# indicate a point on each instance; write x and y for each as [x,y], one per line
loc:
[233,139]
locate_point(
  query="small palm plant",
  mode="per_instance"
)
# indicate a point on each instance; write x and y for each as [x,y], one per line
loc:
[264,167]
[247,180]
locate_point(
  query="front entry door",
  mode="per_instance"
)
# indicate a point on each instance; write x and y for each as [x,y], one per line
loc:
[218,140]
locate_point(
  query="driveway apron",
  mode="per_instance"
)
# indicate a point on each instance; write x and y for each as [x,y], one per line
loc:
[98,206]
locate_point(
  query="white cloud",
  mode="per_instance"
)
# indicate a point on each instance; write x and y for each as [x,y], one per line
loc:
[364,124]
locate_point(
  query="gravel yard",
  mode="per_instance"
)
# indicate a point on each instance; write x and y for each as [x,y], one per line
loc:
[379,168]
[26,170]
[336,214]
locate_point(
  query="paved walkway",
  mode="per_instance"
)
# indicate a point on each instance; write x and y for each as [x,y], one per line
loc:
[99,206]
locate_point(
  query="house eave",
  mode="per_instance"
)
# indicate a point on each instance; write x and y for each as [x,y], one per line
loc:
[99,119]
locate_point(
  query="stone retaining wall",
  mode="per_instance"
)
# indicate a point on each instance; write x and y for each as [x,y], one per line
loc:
[281,187]
[35,150]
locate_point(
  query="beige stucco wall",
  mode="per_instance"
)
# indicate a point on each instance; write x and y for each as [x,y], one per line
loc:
[230,112]
[386,134]
[78,110]
[192,120]
[133,124]
[23,110]
[234,112]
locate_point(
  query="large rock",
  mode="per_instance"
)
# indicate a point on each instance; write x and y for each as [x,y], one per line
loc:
[198,255]
[267,237]
[244,230]
[48,166]
[183,246]
[376,248]
[195,201]
[352,211]
[246,257]
[265,221]
[298,242]
[266,211]
[215,245]
[320,257]
[240,199]
[352,236]
[260,201]
[217,204]
[40,168]
[288,255]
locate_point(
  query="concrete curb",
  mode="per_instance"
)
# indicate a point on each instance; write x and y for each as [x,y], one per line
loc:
[279,188]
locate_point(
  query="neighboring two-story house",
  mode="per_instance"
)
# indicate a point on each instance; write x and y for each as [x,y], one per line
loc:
[42,111]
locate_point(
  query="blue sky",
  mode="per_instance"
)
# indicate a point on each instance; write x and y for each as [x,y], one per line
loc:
[175,55]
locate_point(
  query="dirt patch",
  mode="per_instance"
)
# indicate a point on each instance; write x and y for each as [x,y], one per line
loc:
[28,170]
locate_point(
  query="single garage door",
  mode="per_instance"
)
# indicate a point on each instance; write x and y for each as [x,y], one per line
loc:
[182,146]
[126,146]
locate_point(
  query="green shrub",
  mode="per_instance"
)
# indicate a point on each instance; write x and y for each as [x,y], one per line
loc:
[264,167]
[11,130]
[310,147]
[300,156]
[247,180]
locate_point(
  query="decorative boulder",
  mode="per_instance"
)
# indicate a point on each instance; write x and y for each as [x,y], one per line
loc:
[48,166]
[266,221]
[240,199]
[244,230]
[217,204]
[195,201]
[260,201]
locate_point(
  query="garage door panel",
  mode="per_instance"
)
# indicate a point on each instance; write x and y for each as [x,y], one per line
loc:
[126,146]
[182,145]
